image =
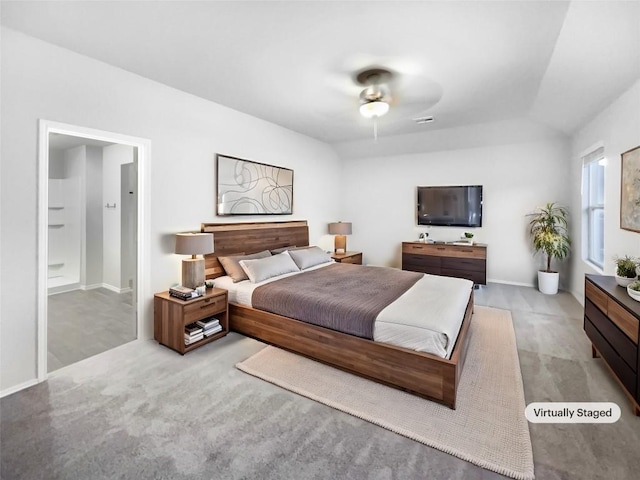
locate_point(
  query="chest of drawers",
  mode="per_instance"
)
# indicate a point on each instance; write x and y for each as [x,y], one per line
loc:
[612,323]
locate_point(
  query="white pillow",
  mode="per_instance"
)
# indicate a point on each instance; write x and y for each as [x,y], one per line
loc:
[309,257]
[264,268]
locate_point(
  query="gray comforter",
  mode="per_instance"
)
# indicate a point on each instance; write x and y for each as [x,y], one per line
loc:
[343,297]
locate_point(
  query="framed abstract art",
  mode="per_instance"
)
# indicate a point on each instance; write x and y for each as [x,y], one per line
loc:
[630,190]
[244,187]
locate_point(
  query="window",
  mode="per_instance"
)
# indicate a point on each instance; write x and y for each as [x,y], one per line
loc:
[593,206]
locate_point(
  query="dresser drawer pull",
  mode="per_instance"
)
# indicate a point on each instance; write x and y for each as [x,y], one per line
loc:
[440,248]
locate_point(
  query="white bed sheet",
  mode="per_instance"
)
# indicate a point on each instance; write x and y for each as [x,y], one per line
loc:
[426,318]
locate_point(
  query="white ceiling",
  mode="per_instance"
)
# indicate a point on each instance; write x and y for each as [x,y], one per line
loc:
[292,62]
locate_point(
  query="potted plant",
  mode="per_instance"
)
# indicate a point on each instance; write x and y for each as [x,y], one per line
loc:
[625,270]
[548,229]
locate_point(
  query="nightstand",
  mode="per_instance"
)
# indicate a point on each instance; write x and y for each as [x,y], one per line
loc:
[171,315]
[348,257]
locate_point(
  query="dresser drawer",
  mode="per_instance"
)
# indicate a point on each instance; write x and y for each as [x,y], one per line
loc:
[204,308]
[624,347]
[464,264]
[422,268]
[424,248]
[624,320]
[476,277]
[424,260]
[597,296]
[619,367]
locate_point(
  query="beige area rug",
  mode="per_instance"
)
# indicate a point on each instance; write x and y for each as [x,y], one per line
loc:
[488,428]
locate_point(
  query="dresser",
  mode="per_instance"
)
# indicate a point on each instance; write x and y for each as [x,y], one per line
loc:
[612,321]
[462,261]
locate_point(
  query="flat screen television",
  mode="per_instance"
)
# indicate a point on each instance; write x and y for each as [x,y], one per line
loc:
[458,206]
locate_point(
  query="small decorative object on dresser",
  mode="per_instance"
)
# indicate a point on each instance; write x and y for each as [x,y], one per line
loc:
[173,319]
[625,270]
[612,321]
[348,257]
[634,290]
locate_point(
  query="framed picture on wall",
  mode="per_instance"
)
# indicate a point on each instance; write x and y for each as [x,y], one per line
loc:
[630,190]
[244,187]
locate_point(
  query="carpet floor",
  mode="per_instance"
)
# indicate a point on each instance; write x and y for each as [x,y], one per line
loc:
[487,428]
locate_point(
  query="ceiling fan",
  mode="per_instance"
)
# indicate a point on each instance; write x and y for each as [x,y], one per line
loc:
[376,97]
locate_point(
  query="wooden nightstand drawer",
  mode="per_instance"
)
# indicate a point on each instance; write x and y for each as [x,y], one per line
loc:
[204,308]
[355,259]
[348,257]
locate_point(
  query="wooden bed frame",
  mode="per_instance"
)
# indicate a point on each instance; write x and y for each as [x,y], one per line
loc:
[420,373]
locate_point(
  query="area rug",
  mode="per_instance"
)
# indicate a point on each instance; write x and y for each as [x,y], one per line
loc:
[488,427]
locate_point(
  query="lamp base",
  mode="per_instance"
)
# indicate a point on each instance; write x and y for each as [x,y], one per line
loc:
[192,272]
[340,243]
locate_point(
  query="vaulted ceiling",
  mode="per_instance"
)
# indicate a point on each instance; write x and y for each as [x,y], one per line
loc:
[293,62]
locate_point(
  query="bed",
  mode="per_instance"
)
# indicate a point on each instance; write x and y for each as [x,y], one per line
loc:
[424,374]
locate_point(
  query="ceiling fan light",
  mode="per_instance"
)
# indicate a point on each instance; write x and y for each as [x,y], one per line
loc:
[374,109]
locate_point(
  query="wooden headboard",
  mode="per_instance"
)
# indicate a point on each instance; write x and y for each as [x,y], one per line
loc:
[251,237]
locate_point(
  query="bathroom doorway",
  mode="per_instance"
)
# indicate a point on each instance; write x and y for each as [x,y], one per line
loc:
[90,211]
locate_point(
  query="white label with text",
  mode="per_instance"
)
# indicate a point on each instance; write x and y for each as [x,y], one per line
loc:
[572,412]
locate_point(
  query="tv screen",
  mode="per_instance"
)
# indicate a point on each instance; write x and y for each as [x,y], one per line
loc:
[459,206]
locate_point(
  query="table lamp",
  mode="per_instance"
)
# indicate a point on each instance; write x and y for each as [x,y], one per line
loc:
[340,229]
[193,268]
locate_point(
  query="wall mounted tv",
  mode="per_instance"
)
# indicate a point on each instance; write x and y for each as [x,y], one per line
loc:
[459,206]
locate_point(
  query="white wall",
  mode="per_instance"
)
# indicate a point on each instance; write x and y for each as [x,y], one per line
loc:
[40,80]
[617,128]
[93,221]
[75,168]
[113,157]
[380,200]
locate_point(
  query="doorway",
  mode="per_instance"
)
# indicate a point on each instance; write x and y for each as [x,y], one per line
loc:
[92,232]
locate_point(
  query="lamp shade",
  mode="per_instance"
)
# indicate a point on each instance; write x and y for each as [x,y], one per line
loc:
[376,108]
[194,243]
[340,228]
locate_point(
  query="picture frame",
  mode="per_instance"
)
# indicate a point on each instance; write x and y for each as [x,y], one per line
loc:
[630,190]
[245,187]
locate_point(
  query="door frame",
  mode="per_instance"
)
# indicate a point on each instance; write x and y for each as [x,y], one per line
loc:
[143,227]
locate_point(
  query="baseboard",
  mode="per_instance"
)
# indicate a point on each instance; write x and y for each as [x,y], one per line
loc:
[63,288]
[91,287]
[115,289]
[505,282]
[17,388]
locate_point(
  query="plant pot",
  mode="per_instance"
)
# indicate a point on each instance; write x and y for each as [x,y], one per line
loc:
[634,294]
[624,281]
[548,282]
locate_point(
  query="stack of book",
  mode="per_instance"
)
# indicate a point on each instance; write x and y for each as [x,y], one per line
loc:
[183,293]
[210,326]
[192,334]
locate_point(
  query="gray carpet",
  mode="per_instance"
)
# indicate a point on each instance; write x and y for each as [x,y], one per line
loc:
[142,411]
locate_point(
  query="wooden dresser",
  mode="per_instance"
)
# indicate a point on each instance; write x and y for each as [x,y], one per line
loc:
[462,261]
[611,321]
